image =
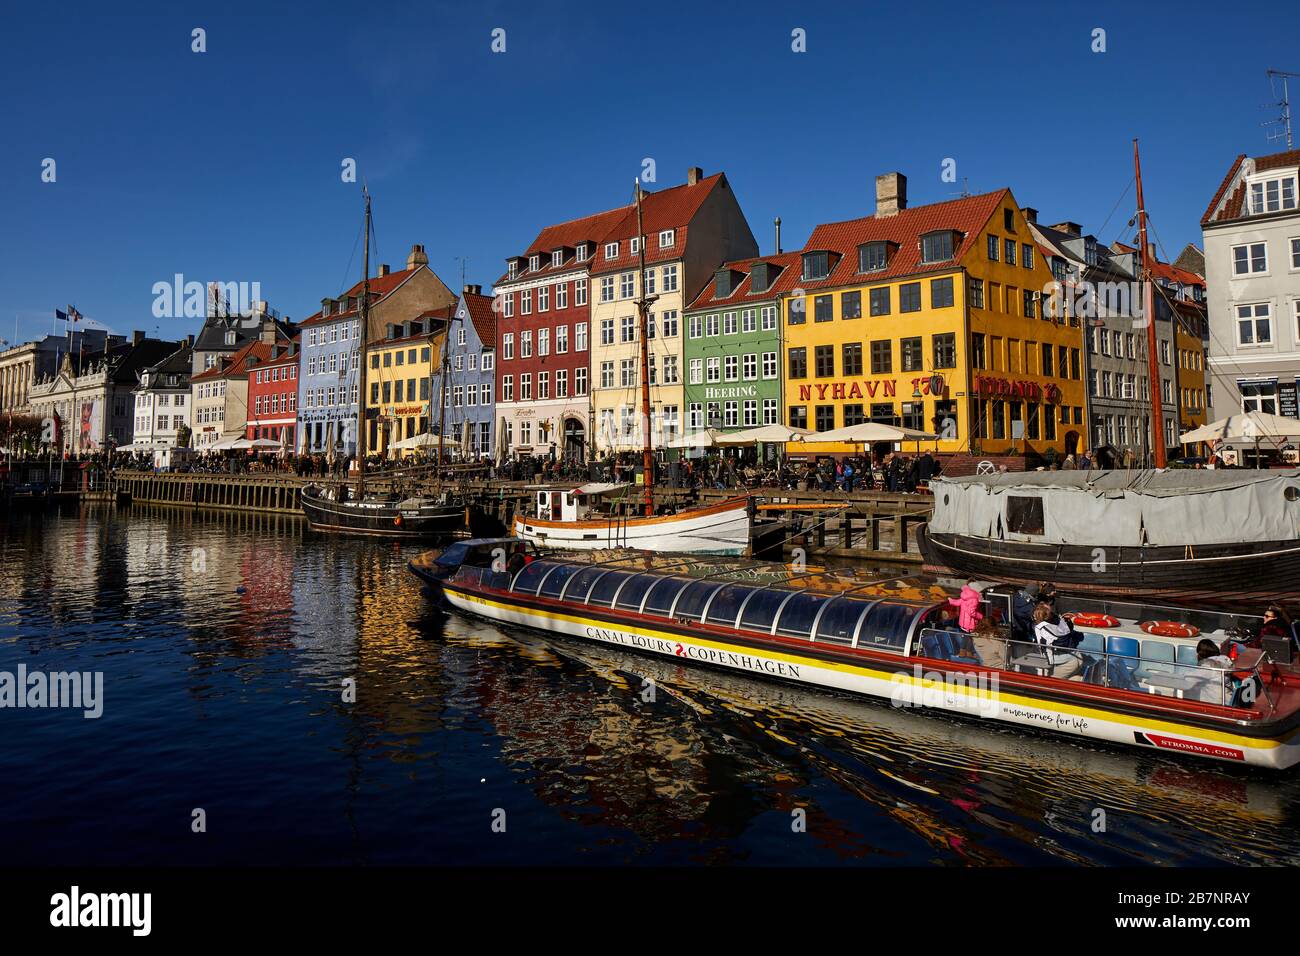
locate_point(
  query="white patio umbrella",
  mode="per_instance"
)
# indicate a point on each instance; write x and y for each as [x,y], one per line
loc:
[263,443]
[1246,426]
[864,432]
[464,438]
[422,440]
[226,444]
[705,438]
[765,433]
[501,450]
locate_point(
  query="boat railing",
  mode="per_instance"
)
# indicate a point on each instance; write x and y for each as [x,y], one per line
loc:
[1105,663]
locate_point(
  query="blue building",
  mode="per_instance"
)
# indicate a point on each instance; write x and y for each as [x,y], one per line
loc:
[469,393]
[329,377]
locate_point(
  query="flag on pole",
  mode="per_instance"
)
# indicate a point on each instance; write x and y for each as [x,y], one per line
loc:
[74,314]
[60,315]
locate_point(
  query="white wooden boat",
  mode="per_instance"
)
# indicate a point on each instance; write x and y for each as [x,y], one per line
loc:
[568,518]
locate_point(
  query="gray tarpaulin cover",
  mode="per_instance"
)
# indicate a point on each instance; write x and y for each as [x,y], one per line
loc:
[1178,507]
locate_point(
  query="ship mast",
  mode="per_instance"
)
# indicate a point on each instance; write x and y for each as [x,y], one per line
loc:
[365,338]
[1148,296]
[642,306]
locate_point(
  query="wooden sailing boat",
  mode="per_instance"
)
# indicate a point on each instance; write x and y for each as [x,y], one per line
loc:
[336,510]
[571,518]
[1216,537]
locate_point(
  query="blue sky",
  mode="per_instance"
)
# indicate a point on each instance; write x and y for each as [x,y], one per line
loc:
[225,165]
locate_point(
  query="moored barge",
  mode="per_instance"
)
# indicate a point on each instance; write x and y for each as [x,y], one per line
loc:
[894,640]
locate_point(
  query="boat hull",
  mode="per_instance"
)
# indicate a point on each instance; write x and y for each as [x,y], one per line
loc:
[385,520]
[714,529]
[1219,575]
[905,682]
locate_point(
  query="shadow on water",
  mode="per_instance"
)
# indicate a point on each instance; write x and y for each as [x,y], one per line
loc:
[304,694]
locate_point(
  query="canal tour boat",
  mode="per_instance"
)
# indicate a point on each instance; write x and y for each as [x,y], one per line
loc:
[574,519]
[1138,684]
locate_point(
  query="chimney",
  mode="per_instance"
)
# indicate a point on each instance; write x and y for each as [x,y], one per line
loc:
[473,290]
[891,194]
[1069,228]
[417,257]
[1030,214]
[137,337]
[384,270]
[1151,252]
[267,335]
[694,175]
[777,221]
[189,341]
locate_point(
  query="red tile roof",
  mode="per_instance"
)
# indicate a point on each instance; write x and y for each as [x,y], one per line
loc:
[1234,206]
[967,215]
[588,229]
[1165,270]
[380,286]
[742,291]
[672,208]
[483,316]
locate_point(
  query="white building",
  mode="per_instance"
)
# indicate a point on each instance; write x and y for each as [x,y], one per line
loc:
[1252,270]
[162,402]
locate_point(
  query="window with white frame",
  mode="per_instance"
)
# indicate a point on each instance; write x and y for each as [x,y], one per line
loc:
[561,339]
[607,289]
[526,302]
[486,362]
[648,277]
[557,257]
[747,321]
[1274,193]
[1258,397]
[713,368]
[534,262]
[606,374]
[750,366]
[606,331]
[626,373]
[729,323]
[1250,259]
[582,252]
[668,324]
[770,369]
[695,416]
[580,291]
[627,329]
[768,313]
[627,285]
[543,341]
[580,380]
[544,299]
[562,295]
[611,250]
[526,387]
[693,327]
[697,371]
[1254,324]
[526,344]
[508,305]
[670,370]
[634,245]
[561,383]
[670,279]
[1295,253]
[1295,305]
[666,238]
[770,412]
[508,346]
[580,337]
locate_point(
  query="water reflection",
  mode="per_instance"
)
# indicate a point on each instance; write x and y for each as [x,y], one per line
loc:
[307,689]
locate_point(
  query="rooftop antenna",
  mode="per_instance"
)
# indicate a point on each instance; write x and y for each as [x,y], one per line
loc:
[964,192]
[1284,120]
[462,260]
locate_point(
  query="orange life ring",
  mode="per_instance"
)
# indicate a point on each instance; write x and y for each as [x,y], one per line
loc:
[1094,620]
[397,520]
[1170,628]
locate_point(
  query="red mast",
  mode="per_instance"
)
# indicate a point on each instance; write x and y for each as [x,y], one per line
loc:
[1148,297]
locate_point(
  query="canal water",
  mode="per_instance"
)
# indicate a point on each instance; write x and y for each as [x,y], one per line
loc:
[230,645]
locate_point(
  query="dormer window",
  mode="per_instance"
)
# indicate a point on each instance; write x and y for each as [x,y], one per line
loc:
[231,337]
[582,252]
[635,245]
[611,250]
[1090,251]
[534,263]
[512,268]
[938,246]
[666,238]
[873,256]
[816,265]
[557,257]
[1272,194]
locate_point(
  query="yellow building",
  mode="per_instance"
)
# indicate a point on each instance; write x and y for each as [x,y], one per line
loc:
[689,231]
[931,318]
[402,382]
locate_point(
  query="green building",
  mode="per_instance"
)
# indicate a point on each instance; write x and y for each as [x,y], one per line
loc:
[732,349]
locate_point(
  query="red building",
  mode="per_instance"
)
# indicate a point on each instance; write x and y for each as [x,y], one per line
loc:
[273,395]
[543,302]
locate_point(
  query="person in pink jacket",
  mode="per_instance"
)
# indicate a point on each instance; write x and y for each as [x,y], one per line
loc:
[968,605]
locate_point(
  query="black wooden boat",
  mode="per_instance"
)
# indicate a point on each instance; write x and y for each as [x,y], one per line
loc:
[1225,538]
[332,510]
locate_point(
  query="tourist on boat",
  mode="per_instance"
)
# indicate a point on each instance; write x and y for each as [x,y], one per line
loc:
[1213,688]
[968,605]
[518,559]
[1277,623]
[1022,612]
[990,644]
[1050,636]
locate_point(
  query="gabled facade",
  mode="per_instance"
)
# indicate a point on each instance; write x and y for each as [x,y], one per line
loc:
[931,318]
[162,401]
[732,347]
[689,231]
[273,395]
[401,381]
[1252,271]
[543,331]
[467,375]
[329,367]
